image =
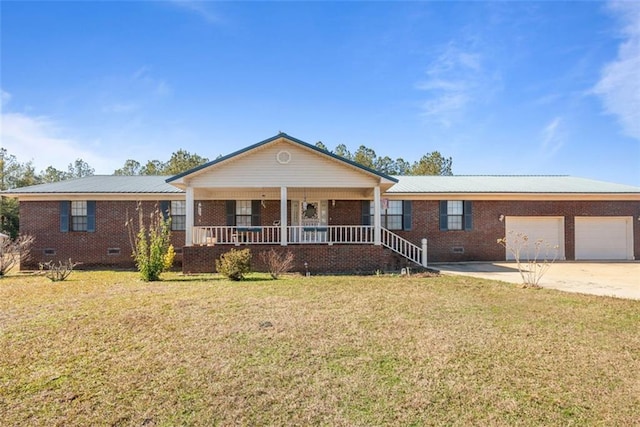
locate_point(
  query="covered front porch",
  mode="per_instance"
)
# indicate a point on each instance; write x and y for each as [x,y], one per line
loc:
[301,217]
[283,216]
[284,192]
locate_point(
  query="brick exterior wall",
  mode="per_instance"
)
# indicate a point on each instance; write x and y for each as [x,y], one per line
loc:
[92,249]
[42,219]
[480,243]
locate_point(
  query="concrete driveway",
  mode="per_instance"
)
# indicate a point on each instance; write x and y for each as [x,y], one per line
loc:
[618,279]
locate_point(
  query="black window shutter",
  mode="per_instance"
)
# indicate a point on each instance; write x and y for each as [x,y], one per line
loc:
[406,214]
[165,208]
[64,216]
[468,215]
[231,212]
[366,212]
[91,216]
[255,212]
[444,224]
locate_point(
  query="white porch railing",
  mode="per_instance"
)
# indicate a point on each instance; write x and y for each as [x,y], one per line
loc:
[270,235]
[212,235]
[330,234]
[405,248]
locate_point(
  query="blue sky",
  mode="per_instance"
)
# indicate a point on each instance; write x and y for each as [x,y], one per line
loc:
[501,87]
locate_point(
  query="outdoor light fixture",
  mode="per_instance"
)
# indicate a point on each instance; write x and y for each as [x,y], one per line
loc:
[501,218]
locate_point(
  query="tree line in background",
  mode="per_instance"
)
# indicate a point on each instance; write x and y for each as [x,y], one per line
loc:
[14,174]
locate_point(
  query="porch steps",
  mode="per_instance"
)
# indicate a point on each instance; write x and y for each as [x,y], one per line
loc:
[404,247]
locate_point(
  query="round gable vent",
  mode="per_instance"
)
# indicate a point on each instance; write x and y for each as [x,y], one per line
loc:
[283,157]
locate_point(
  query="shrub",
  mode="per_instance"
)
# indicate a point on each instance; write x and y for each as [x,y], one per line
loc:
[14,251]
[168,258]
[59,272]
[150,243]
[277,263]
[534,258]
[234,264]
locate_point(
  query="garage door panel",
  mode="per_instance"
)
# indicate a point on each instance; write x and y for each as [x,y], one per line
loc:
[604,238]
[548,229]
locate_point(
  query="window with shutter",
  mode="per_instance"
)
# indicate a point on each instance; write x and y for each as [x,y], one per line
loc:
[243,213]
[456,215]
[178,215]
[79,215]
[394,215]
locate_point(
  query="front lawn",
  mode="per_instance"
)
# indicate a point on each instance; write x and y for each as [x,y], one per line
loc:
[104,348]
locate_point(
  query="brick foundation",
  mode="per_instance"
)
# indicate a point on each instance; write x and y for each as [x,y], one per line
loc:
[360,259]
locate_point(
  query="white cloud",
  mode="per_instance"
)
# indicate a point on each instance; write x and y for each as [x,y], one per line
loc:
[120,108]
[134,92]
[5,97]
[455,80]
[201,8]
[619,85]
[553,137]
[39,139]
[445,106]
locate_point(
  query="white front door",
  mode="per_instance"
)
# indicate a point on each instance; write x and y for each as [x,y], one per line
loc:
[309,221]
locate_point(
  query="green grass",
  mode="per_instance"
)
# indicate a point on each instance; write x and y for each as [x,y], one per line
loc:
[104,348]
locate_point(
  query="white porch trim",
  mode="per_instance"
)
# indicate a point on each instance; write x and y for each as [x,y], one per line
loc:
[377,221]
[189,217]
[283,216]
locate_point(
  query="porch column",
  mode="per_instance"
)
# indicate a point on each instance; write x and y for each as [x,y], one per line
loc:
[377,223]
[283,216]
[188,232]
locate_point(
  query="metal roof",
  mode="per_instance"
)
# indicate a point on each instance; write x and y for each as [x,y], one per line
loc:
[472,184]
[112,184]
[560,184]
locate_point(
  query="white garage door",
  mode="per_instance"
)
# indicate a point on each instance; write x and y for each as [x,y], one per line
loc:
[549,229]
[604,237]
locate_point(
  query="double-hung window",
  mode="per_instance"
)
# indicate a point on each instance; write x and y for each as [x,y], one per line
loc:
[394,214]
[243,213]
[455,215]
[391,214]
[178,215]
[77,215]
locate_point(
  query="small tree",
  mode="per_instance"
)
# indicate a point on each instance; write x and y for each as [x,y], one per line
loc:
[57,272]
[533,258]
[14,251]
[234,264]
[277,263]
[168,258]
[150,243]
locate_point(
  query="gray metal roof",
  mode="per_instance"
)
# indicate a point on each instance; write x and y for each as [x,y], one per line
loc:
[141,184]
[506,184]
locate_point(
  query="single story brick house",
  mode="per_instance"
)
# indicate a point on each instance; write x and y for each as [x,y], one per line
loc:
[333,214]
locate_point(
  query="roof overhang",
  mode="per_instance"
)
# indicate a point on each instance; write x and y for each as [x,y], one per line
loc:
[517,196]
[43,197]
